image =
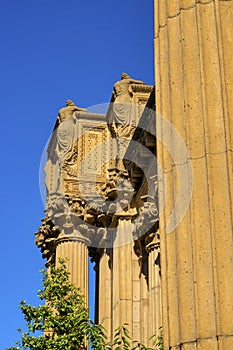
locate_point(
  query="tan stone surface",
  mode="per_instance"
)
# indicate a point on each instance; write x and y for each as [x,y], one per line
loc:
[203,254]
[225,343]
[193,65]
[77,262]
[173,8]
[207,344]
[189,346]
[105,301]
[154,295]
[132,297]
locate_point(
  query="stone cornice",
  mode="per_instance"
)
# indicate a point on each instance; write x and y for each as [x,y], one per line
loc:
[141,88]
[89,116]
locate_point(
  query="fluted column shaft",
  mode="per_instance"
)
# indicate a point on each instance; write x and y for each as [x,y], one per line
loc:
[127,294]
[76,254]
[154,318]
[105,292]
[194,92]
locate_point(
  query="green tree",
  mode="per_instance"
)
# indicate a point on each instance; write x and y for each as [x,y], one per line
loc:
[63,322]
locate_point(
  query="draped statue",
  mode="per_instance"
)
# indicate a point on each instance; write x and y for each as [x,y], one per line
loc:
[61,146]
[66,130]
[121,119]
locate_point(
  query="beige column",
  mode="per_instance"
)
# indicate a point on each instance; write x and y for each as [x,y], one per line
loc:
[144,310]
[122,284]
[76,254]
[116,285]
[125,292]
[105,293]
[138,298]
[154,318]
[194,92]
[136,325]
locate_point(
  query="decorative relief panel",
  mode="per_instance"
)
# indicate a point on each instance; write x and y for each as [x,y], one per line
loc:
[91,159]
[140,100]
[92,155]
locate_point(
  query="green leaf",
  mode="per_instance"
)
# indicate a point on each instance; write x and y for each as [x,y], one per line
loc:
[62,322]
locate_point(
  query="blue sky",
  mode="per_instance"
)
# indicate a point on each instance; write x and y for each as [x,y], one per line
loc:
[52,51]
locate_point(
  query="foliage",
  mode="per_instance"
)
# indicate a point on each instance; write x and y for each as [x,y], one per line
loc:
[63,323]
[121,338]
[158,340]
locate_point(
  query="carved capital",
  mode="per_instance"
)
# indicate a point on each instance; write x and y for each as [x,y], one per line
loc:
[152,241]
[119,189]
[46,237]
[147,221]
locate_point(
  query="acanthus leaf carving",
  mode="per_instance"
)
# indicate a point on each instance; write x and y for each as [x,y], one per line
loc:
[46,237]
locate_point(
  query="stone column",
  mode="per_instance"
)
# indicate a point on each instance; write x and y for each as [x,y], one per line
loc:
[122,279]
[194,92]
[155,321]
[76,254]
[136,325]
[129,286]
[105,292]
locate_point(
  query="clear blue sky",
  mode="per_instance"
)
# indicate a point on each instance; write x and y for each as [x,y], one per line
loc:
[52,51]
